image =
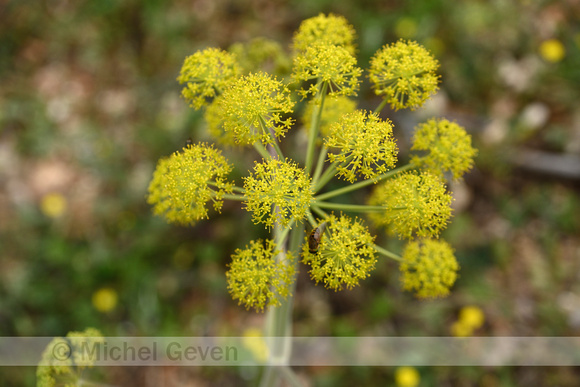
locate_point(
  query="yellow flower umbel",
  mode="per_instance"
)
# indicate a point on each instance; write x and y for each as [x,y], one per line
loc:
[330,29]
[64,360]
[344,255]
[256,279]
[183,183]
[470,319]
[365,143]
[259,54]
[448,146]
[332,111]
[329,66]
[253,105]
[214,116]
[416,204]
[404,74]
[428,268]
[206,74]
[277,191]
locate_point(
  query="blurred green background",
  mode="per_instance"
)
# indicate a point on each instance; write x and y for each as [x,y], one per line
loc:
[89,103]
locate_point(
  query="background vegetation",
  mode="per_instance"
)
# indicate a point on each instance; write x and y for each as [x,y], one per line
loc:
[89,102]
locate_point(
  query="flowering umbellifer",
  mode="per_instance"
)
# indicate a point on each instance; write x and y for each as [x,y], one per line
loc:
[283,193]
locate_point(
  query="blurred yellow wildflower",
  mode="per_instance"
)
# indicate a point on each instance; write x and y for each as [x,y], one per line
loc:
[254,341]
[406,28]
[53,205]
[331,29]
[64,361]
[429,268]
[470,319]
[105,300]
[552,50]
[407,377]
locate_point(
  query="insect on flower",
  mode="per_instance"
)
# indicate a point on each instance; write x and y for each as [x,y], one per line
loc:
[315,237]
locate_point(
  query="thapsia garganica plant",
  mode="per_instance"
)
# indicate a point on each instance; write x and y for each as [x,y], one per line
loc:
[248,107]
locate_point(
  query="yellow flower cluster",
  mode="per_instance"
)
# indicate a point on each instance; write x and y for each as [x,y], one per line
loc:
[244,105]
[186,181]
[214,117]
[278,191]
[470,319]
[416,204]
[63,360]
[329,65]
[206,74]
[429,268]
[255,104]
[404,73]
[552,50]
[259,54]
[332,111]
[407,377]
[256,279]
[105,299]
[331,29]
[345,254]
[448,146]
[365,143]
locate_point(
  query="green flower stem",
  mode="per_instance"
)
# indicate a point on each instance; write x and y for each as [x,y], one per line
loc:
[311,219]
[381,106]
[234,188]
[279,319]
[262,150]
[387,253]
[315,127]
[290,376]
[349,207]
[319,211]
[330,172]
[283,234]
[239,198]
[364,183]
[326,176]
[239,189]
[274,140]
[319,165]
